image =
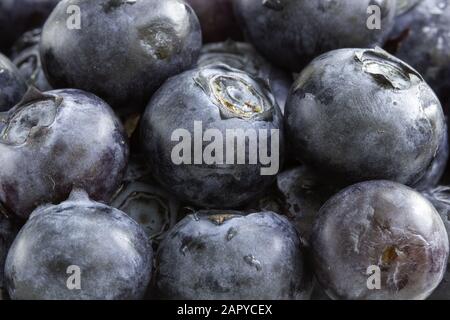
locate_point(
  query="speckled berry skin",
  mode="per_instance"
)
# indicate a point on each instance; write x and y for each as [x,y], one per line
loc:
[124,50]
[112,252]
[19,16]
[53,142]
[190,97]
[12,84]
[421,37]
[362,114]
[290,33]
[223,255]
[384,224]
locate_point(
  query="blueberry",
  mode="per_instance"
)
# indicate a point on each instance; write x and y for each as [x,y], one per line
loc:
[18,16]
[243,56]
[299,194]
[290,33]
[144,200]
[123,51]
[440,198]
[52,142]
[224,255]
[421,37]
[111,252]
[217,20]
[12,85]
[436,168]
[27,59]
[303,193]
[150,205]
[217,171]
[362,114]
[379,225]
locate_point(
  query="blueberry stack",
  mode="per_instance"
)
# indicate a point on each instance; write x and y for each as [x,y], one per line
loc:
[224,149]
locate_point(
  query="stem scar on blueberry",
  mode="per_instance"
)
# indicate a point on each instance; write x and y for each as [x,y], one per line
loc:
[387,69]
[220,219]
[236,94]
[34,112]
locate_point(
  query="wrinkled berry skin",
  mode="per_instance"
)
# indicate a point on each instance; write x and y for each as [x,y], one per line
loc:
[53,142]
[243,56]
[290,33]
[25,55]
[19,16]
[194,97]
[112,252]
[421,37]
[224,255]
[12,85]
[382,224]
[437,167]
[362,114]
[124,50]
[217,20]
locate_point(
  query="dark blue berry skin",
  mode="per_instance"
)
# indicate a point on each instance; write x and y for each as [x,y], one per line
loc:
[290,33]
[216,19]
[189,97]
[53,142]
[440,198]
[112,252]
[224,255]
[19,16]
[383,224]
[437,167]
[9,227]
[12,84]
[124,50]
[362,114]
[421,37]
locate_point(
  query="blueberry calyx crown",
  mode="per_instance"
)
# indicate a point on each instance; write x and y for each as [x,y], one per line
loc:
[387,69]
[237,55]
[137,199]
[35,111]
[235,93]
[219,219]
